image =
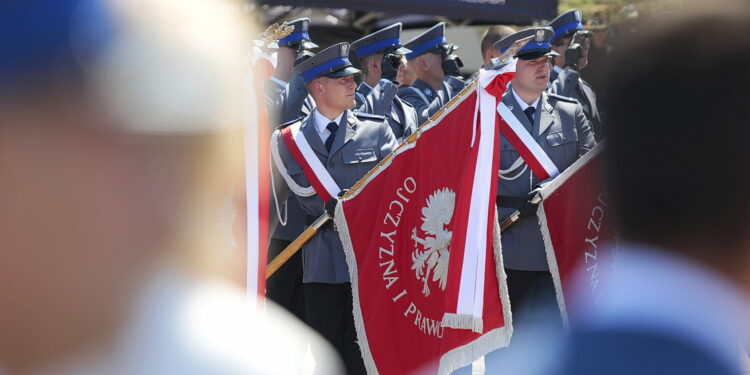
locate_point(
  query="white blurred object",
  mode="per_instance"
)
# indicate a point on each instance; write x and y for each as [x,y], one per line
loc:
[184,325]
[173,67]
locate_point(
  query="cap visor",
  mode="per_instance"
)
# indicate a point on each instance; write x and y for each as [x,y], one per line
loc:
[402,51]
[567,34]
[438,50]
[348,71]
[301,59]
[533,55]
[306,44]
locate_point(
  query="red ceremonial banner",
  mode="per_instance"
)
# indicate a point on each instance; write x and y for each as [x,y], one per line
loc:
[578,229]
[400,230]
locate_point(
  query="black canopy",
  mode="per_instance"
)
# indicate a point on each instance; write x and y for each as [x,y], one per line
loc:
[516,12]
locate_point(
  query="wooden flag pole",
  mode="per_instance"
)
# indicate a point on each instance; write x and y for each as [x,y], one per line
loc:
[513,218]
[297,244]
[550,187]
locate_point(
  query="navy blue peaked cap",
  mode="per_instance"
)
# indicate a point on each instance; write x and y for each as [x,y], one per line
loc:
[429,41]
[566,24]
[300,36]
[382,40]
[331,62]
[537,47]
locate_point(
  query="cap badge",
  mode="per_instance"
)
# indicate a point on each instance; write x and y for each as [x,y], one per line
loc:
[539,36]
[343,49]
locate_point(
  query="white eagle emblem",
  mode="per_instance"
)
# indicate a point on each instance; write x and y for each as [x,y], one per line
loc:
[539,36]
[434,253]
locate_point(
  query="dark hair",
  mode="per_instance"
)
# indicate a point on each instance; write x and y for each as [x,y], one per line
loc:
[493,34]
[678,153]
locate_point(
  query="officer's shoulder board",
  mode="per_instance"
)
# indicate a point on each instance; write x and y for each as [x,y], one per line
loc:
[368,116]
[284,125]
[403,89]
[562,98]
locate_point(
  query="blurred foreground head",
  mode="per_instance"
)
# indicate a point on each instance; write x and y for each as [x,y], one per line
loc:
[678,158]
[114,120]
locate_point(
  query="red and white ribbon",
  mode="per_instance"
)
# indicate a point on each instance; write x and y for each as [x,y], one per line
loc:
[264,64]
[303,154]
[260,67]
[524,143]
[470,301]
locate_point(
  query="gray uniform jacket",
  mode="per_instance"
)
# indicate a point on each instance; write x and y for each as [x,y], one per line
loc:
[361,141]
[426,100]
[273,91]
[562,131]
[569,83]
[382,101]
[293,103]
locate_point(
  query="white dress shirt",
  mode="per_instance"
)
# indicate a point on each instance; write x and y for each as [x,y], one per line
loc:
[182,324]
[321,122]
[523,103]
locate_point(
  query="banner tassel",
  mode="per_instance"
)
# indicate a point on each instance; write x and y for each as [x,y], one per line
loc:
[552,262]
[359,324]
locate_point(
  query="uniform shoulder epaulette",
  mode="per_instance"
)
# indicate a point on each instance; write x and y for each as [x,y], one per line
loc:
[369,116]
[284,125]
[563,98]
[403,89]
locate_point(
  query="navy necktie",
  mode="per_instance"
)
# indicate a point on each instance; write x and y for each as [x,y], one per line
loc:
[529,111]
[332,127]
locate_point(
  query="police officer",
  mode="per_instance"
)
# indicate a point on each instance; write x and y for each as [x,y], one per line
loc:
[294,100]
[561,129]
[558,126]
[285,286]
[292,47]
[437,70]
[572,42]
[378,55]
[490,36]
[348,144]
